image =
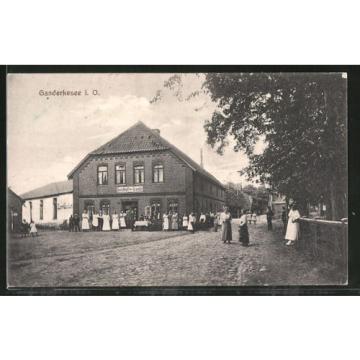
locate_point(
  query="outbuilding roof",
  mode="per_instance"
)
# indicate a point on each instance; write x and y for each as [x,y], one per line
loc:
[55,188]
[140,138]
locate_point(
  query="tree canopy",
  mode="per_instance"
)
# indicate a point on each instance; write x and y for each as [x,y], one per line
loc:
[301,117]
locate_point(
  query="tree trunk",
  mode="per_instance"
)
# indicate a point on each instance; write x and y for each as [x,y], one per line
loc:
[333,201]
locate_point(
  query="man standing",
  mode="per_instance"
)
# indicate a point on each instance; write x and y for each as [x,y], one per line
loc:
[76,223]
[71,223]
[269,216]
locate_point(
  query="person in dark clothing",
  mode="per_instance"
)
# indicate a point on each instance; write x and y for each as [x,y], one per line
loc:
[76,223]
[269,216]
[243,230]
[284,217]
[71,223]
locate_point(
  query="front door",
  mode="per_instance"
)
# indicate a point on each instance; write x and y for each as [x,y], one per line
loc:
[131,207]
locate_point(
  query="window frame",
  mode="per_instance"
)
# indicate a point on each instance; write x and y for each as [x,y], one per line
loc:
[138,165]
[98,172]
[154,165]
[174,200]
[55,209]
[41,209]
[115,172]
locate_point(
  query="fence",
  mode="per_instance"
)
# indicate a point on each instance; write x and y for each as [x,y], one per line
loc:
[325,240]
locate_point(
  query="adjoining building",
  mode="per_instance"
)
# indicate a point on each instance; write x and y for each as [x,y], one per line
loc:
[14,202]
[49,205]
[142,171]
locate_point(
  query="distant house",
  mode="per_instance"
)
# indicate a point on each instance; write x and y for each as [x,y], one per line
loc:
[14,211]
[50,204]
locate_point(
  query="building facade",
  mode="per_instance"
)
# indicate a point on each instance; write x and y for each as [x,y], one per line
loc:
[49,205]
[14,211]
[141,171]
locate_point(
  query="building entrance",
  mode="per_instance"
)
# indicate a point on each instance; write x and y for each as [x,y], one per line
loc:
[131,210]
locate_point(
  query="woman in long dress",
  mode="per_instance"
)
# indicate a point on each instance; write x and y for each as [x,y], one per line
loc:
[293,226]
[106,222]
[185,222]
[115,221]
[122,220]
[243,230]
[191,224]
[165,222]
[95,221]
[85,221]
[174,222]
[226,233]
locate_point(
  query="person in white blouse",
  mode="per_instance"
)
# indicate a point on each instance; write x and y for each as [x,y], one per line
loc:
[106,222]
[115,221]
[85,221]
[293,226]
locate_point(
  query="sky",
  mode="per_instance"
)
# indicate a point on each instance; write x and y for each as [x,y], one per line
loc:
[47,136]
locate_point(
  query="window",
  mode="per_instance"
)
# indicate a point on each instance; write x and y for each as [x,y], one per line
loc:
[173,206]
[41,209]
[105,206]
[54,208]
[139,174]
[158,173]
[103,175]
[30,204]
[90,207]
[155,209]
[120,174]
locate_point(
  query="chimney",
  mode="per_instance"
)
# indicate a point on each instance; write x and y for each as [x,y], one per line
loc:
[201,158]
[156,130]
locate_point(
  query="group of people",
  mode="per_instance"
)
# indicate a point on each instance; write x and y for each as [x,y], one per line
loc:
[290,220]
[28,228]
[100,221]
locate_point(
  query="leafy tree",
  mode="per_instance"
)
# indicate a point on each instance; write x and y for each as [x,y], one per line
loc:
[303,120]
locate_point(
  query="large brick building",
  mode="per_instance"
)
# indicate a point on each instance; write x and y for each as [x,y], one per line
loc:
[142,171]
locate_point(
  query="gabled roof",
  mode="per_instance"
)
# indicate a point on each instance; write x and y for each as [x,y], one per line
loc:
[56,188]
[14,194]
[140,138]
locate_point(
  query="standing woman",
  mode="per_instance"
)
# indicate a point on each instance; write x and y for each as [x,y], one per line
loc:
[106,222]
[115,221]
[122,220]
[85,221]
[165,222]
[95,221]
[192,221]
[185,221]
[243,230]
[101,220]
[226,233]
[293,226]
[174,221]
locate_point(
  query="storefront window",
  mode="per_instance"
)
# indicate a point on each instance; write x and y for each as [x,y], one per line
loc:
[155,209]
[173,206]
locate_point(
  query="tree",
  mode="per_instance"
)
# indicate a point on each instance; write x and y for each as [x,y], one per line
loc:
[303,120]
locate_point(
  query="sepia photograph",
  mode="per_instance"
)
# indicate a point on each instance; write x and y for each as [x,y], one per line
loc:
[177,179]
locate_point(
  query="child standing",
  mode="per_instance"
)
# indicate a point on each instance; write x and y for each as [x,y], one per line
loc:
[33,230]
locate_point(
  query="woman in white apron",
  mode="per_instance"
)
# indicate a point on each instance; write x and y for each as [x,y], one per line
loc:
[122,220]
[106,223]
[293,226]
[95,221]
[165,222]
[185,222]
[85,221]
[174,222]
[192,221]
[115,221]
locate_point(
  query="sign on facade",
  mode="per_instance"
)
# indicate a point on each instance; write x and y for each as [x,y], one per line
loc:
[129,189]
